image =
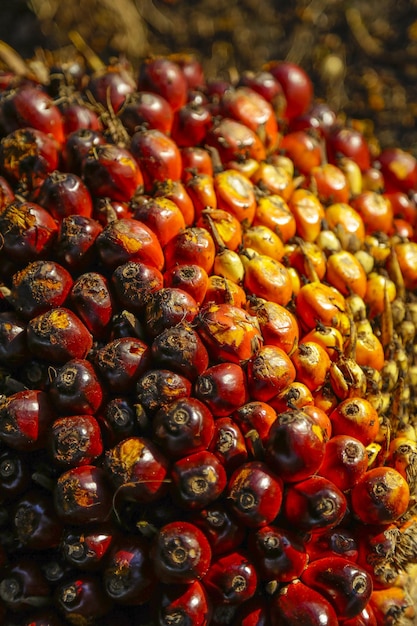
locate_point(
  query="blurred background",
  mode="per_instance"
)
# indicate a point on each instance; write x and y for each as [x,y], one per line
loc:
[361,55]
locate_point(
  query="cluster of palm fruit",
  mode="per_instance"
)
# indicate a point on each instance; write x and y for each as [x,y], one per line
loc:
[208,309]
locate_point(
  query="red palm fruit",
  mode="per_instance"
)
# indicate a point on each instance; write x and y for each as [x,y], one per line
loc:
[269,372]
[133,282]
[255,419]
[249,107]
[128,576]
[195,160]
[40,286]
[355,417]
[338,541]
[254,493]
[191,68]
[319,117]
[380,496]
[399,169]
[278,325]
[191,245]
[278,554]
[74,245]
[298,603]
[180,349]
[83,495]
[223,531]
[235,142]
[64,194]
[200,188]
[365,618]
[304,150]
[295,446]
[15,475]
[148,109]
[253,612]
[180,553]
[320,418]
[222,387]
[126,240]
[75,440]
[164,77]
[161,215]
[111,86]
[296,85]
[157,156]
[184,602]
[345,461]
[197,480]
[137,466]
[77,146]
[82,598]
[111,171]
[294,396]
[30,106]
[27,157]
[76,116]
[330,184]
[346,585]
[120,363]
[375,210]
[313,504]
[22,584]
[229,332]
[228,443]
[176,191]
[159,387]
[221,290]
[231,579]
[87,549]
[264,83]
[92,301]
[190,278]
[28,232]
[119,420]
[25,419]
[166,308]
[35,522]
[58,335]
[106,210]
[190,125]
[75,389]
[183,427]
[349,142]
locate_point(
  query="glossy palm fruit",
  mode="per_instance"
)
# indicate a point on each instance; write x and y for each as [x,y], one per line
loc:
[254,494]
[314,503]
[298,603]
[181,553]
[347,586]
[184,602]
[295,446]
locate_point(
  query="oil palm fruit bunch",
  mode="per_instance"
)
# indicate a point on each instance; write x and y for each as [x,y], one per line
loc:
[208,352]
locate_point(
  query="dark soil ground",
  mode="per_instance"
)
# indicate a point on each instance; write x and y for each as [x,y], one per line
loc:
[362,55]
